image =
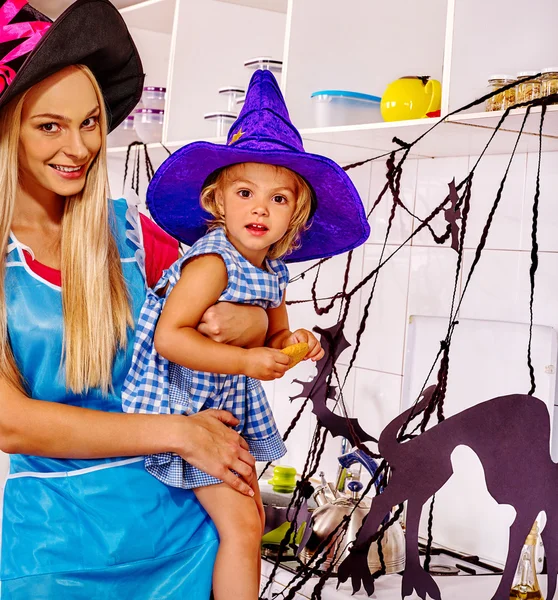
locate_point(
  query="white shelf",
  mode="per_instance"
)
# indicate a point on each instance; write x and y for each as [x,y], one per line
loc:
[273,5]
[151,15]
[460,135]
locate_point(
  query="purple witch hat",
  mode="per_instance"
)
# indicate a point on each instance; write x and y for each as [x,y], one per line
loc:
[263,133]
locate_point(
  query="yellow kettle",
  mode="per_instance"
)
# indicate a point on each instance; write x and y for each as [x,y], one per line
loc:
[411,98]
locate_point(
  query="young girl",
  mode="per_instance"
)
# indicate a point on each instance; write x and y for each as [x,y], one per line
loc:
[261,206]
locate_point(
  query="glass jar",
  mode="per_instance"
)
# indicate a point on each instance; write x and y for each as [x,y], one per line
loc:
[550,82]
[504,99]
[528,90]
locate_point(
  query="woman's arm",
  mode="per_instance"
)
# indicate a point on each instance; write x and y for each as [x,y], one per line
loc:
[241,325]
[201,283]
[52,429]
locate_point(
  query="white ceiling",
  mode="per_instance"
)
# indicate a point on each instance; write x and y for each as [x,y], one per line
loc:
[53,8]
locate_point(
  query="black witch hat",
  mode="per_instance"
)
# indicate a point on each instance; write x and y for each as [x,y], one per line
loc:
[89,32]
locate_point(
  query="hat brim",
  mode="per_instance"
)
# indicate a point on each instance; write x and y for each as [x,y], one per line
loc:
[339,223]
[91,33]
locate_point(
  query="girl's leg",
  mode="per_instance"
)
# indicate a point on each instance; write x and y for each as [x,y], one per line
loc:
[238,521]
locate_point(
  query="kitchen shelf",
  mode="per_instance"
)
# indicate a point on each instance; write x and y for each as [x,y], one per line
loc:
[273,5]
[151,15]
[458,135]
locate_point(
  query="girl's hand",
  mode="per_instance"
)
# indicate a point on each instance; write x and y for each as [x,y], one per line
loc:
[315,353]
[211,445]
[265,363]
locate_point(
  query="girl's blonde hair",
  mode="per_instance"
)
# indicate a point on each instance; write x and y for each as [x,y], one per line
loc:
[297,225]
[95,303]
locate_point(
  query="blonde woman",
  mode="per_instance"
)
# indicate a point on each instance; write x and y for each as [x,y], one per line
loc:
[82,518]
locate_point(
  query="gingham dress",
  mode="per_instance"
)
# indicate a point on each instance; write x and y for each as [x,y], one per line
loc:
[155,385]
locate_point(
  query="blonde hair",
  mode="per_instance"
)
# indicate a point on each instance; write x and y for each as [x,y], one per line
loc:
[95,304]
[299,219]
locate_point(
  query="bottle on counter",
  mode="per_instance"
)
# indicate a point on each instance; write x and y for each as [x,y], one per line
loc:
[502,100]
[525,584]
[528,90]
[549,80]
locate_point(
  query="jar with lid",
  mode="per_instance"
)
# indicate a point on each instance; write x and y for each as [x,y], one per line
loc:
[528,90]
[550,82]
[504,99]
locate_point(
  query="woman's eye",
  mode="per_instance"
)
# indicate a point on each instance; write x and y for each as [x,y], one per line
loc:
[90,122]
[49,127]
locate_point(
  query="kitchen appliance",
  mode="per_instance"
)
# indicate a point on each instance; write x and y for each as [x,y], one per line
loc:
[329,515]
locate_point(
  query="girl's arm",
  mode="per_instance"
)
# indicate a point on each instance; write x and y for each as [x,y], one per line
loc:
[57,430]
[279,335]
[278,331]
[201,283]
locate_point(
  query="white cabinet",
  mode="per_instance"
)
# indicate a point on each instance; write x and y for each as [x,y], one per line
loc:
[194,47]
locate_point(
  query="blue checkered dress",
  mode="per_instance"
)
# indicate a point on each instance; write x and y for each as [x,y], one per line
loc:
[155,385]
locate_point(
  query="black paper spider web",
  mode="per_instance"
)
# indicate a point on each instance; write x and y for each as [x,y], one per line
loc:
[456,207]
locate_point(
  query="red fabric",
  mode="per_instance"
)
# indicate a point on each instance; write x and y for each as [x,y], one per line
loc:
[161,250]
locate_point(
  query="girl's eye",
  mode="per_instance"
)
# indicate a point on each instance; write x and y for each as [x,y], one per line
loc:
[244,193]
[49,127]
[90,122]
[279,199]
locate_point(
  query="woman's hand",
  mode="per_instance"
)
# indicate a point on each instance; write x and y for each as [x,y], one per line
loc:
[236,324]
[266,364]
[315,351]
[211,445]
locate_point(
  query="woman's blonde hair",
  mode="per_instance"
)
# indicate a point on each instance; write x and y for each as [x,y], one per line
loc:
[95,303]
[297,225]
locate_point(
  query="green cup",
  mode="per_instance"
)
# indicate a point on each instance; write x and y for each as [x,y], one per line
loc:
[283,480]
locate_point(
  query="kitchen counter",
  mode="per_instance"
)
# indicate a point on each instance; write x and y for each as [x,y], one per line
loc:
[388,587]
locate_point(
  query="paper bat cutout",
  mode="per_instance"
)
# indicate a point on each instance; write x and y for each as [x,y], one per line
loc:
[334,343]
[422,465]
[452,216]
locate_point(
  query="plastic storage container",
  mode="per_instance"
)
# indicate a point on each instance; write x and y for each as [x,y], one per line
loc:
[149,124]
[502,100]
[154,97]
[550,82]
[338,107]
[266,63]
[528,90]
[232,94]
[124,134]
[223,121]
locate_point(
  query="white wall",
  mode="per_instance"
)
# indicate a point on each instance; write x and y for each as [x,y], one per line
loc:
[419,280]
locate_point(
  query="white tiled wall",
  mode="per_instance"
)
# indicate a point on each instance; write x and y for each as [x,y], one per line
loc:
[420,278]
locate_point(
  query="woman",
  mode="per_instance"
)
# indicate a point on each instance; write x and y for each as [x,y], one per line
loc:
[82,518]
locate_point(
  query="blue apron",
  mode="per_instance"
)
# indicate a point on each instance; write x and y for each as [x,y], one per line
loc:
[101,528]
